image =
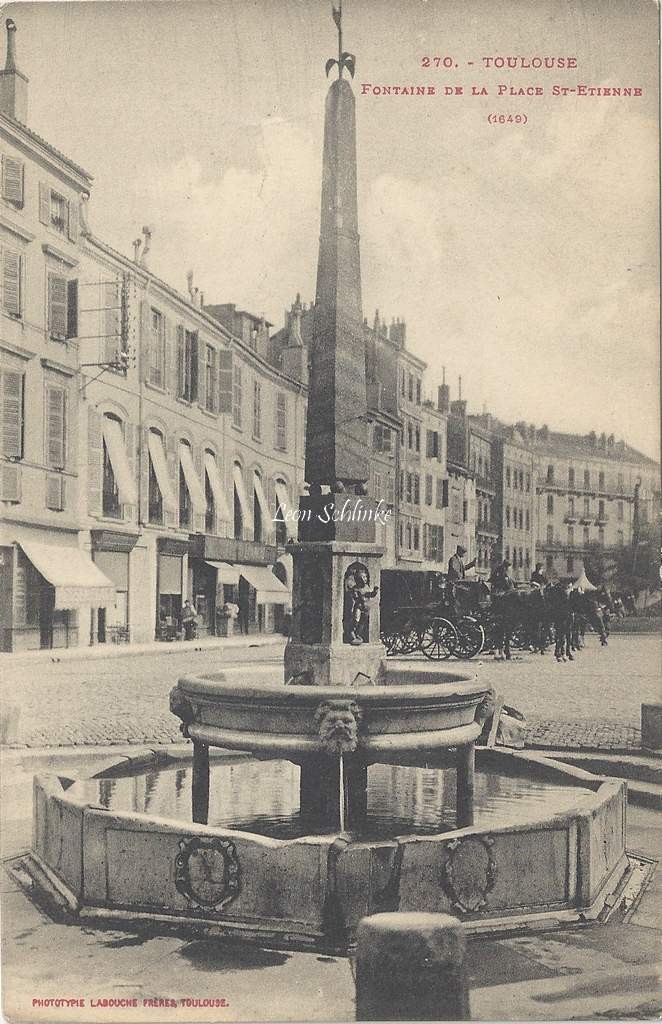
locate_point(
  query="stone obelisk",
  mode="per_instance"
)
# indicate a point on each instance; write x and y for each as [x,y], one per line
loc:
[334,640]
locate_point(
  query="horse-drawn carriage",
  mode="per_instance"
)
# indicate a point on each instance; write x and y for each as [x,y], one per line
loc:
[447,626]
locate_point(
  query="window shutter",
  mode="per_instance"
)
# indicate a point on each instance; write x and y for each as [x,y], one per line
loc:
[171,515]
[10,482]
[57,306]
[72,309]
[181,356]
[11,282]
[225,381]
[55,420]
[168,365]
[194,367]
[145,341]
[12,414]
[55,492]
[12,180]
[44,203]
[73,220]
[444,494]
[144,476]
[94,462]
[130,511]
[111,321]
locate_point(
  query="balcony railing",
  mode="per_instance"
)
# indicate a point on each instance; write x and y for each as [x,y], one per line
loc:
[570,517]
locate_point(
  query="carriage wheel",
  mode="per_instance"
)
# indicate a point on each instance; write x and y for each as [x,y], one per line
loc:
[409,639]
[470,638]
[519,639]
[438,640]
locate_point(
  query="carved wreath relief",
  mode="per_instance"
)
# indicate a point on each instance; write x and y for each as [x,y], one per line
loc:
[207,872]
[469,873]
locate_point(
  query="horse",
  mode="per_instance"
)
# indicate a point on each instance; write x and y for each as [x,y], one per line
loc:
[590,607]
[514,609]
[558,602]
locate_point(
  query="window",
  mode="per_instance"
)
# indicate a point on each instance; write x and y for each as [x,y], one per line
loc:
[62,307]
[507,515]
[56,424]
[210,504]
[586,537]
[409,488]
[257,410]
[528,520]
[571,476]
[550,534]
[154,496]
[417,435]
[210,378]
[571,506]
[418,391]
[550,474]
[225,381]
[185,507]
[521,479]
[435,545]
[417,489]
[619,511]
[570,564]
[187,364]
[382,441]
[59,215]
[236,396]
[410,390]
[410,435]
[601,480]
[13,181]
[465,511]
[257,511]
[514,479]
[550,504]
[442,493]
[619,538]
[12,387]
[401,488]
[408,535]
[281,421]
[428,489]
[571,536]
[528,483]
[238,515]
[507,476]
[527,558]
[432,445]
[587,478]
[403,384]
[377,485]
[157,349]
[110,496]
[12,283]
[587,506]
[601,510]
[401,533]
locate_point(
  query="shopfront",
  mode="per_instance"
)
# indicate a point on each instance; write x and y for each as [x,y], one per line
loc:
[169,587]
[111,552]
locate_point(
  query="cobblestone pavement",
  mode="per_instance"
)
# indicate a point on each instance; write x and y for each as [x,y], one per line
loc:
[592,702]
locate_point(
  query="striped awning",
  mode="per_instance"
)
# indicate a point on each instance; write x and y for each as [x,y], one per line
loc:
[73,574]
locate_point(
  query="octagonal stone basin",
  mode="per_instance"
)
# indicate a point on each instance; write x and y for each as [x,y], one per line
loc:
[558,861]
[418,710]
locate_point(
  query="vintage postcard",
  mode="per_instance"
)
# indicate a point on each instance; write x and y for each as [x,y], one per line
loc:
[330,510]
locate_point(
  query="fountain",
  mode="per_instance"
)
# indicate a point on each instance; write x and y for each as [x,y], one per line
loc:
[340,712]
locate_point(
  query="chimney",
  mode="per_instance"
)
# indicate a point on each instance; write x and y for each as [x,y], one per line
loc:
[147,232]
[13,83]
[398,333]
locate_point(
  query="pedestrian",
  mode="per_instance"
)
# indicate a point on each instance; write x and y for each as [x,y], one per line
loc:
[188,620]
[501,579]
[539,577]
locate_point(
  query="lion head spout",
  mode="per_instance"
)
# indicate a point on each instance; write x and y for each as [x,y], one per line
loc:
[338,726]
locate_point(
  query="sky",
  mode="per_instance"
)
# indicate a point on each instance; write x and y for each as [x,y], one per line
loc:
[523,257]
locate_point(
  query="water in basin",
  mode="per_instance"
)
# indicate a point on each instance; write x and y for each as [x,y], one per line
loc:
[263,797]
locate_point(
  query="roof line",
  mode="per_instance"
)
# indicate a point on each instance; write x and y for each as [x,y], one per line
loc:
[46,145]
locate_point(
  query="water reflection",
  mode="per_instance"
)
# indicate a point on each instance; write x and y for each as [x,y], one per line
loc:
[263,797]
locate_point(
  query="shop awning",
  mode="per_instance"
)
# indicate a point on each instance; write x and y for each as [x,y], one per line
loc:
[73,574]
[246,509]
[284,503]
[112,435]
[195,489]
[216,484]
[262,502]
[269,589]
[160,465]
[225,572]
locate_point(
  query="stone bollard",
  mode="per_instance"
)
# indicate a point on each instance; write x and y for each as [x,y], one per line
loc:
[411,967]
[9,719]
[651,726]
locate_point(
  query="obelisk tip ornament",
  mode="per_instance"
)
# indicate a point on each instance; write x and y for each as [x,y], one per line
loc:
[336,431]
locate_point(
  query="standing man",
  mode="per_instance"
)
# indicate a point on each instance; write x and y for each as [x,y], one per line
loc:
[188,620]
[456,568]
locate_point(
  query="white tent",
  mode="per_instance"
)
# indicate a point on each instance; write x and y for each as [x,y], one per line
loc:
[583,583]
